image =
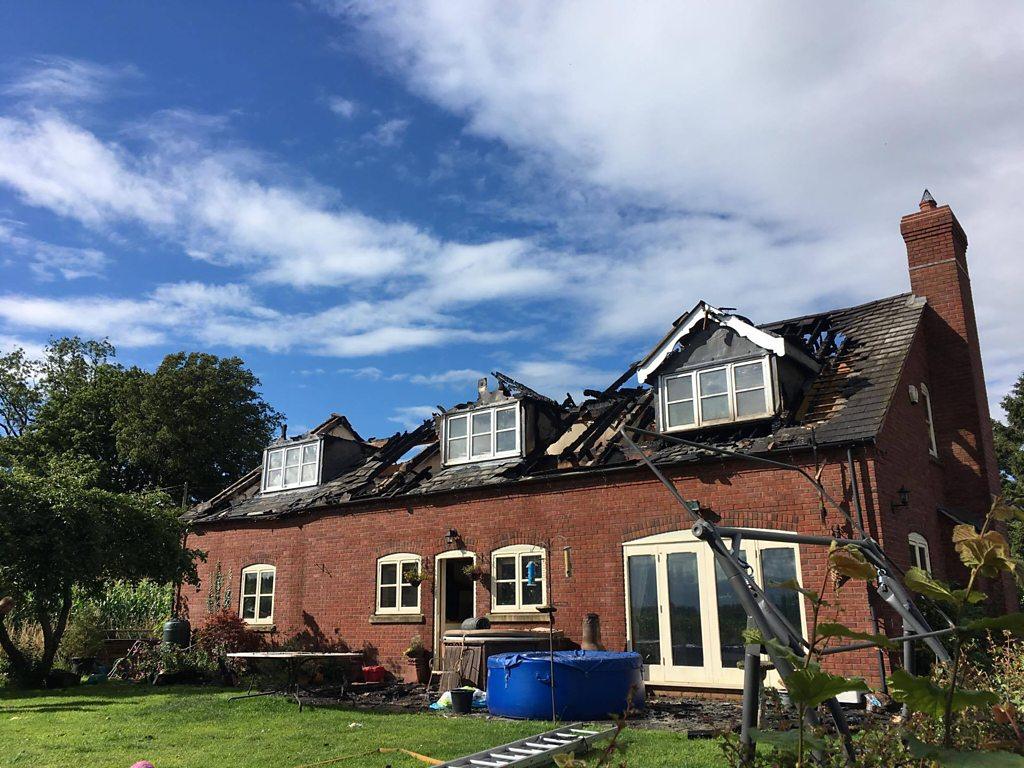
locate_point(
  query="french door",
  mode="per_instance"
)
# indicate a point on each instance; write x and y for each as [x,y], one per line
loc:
[682,615]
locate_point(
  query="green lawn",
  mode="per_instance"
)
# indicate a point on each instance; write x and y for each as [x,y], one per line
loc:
[114,725]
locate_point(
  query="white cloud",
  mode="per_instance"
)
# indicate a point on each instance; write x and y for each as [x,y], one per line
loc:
[33,349]
[58,78]
[47,260]
[390,133]
[459,376]
[342,107]
[412,416]
[779,144]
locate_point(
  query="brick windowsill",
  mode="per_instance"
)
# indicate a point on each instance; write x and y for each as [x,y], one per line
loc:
[398,618]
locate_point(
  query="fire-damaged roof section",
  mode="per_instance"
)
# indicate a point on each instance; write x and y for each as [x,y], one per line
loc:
[860,351]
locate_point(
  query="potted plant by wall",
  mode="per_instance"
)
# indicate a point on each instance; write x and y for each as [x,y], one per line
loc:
[415,577]
[474,571]
[419,657]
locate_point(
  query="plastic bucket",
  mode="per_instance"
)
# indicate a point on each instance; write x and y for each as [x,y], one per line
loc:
[462,700]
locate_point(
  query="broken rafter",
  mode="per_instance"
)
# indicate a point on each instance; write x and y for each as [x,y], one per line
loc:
[517,388]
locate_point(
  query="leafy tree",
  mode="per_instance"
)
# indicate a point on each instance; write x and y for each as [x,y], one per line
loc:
[60,534]
[1009,438]
[198,419]
[20,392]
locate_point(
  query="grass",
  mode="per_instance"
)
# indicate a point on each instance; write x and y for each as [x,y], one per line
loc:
[114,725]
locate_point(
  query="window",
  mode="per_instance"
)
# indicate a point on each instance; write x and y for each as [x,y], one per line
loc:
[517,575]
[919,552]
[486,433]
[291,466]
[398,583]
[733,392]
[933,449]
[257,606]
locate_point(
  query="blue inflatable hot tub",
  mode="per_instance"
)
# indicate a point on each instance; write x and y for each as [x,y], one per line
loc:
[589,685]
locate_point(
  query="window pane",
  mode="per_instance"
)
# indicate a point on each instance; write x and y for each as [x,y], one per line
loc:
[248,607]
[266,606]
[389,573]
[505,568]
[732,620]
[273,478]
[409,571]
[308,473]
[750,403]
[749,376]
[532,595]
[481,422]
[684,610]
[643,608]
[267,583]
[388,597]
[506,418]
[533,568]
[716,407]
[291,475]
[713,382]
[309,453]
[275,458]
[680,414]
[505,441]
[292,458]
[249,585]
[482,444]
[457,448]
[679,389]
[505,593]
[457,427]
[778,565]
[410,596]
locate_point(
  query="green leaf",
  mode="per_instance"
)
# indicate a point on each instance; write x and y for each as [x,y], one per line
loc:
[974,597]
[828,629]
[811,686]
[1004,512]
[921,695]
[786,741]
[949,758]
[920,581]
[849,562]
[989,553]
[1011,622]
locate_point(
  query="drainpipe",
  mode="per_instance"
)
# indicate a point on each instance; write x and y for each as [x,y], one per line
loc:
[855,493]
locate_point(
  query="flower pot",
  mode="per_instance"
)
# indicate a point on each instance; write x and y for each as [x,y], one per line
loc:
[422,666]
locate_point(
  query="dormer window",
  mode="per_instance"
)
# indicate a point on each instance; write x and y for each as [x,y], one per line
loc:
[291,466]
[716,395]
[484,433]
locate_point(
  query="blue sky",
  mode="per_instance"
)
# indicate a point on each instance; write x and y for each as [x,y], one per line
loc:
[373,204]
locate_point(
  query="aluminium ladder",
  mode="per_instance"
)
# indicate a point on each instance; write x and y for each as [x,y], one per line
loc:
[533,751]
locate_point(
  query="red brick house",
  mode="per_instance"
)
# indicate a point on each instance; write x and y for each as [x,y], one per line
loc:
[337,539]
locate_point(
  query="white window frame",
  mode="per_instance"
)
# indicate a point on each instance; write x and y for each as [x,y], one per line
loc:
[400,560]
[919,552]
[519,551]
[469,458]
[259,569]
[282,450]
[731,390]
[933,447]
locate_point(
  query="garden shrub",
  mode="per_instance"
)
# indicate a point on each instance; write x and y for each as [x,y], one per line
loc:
[224,632]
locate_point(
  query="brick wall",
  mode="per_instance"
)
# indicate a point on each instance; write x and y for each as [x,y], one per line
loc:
[326,562]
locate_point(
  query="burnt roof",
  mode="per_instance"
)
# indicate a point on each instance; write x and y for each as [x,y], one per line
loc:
[862,351]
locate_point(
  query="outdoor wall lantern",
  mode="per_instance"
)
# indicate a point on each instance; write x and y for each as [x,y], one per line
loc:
[904,499]
[452,538]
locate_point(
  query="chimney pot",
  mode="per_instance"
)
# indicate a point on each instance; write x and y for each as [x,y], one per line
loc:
[284,431]
[928,202]
[481,385]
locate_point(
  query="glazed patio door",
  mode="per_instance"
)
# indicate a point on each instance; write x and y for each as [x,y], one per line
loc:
[682,615]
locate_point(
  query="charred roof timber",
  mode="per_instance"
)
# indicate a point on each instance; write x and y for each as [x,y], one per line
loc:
[852,358]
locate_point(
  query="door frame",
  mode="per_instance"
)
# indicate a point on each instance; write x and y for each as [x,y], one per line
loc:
[439,589]
[712,674]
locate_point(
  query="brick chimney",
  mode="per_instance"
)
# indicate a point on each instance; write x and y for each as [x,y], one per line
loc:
[937,256]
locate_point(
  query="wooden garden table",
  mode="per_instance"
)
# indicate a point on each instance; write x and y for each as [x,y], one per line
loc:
[292,662]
